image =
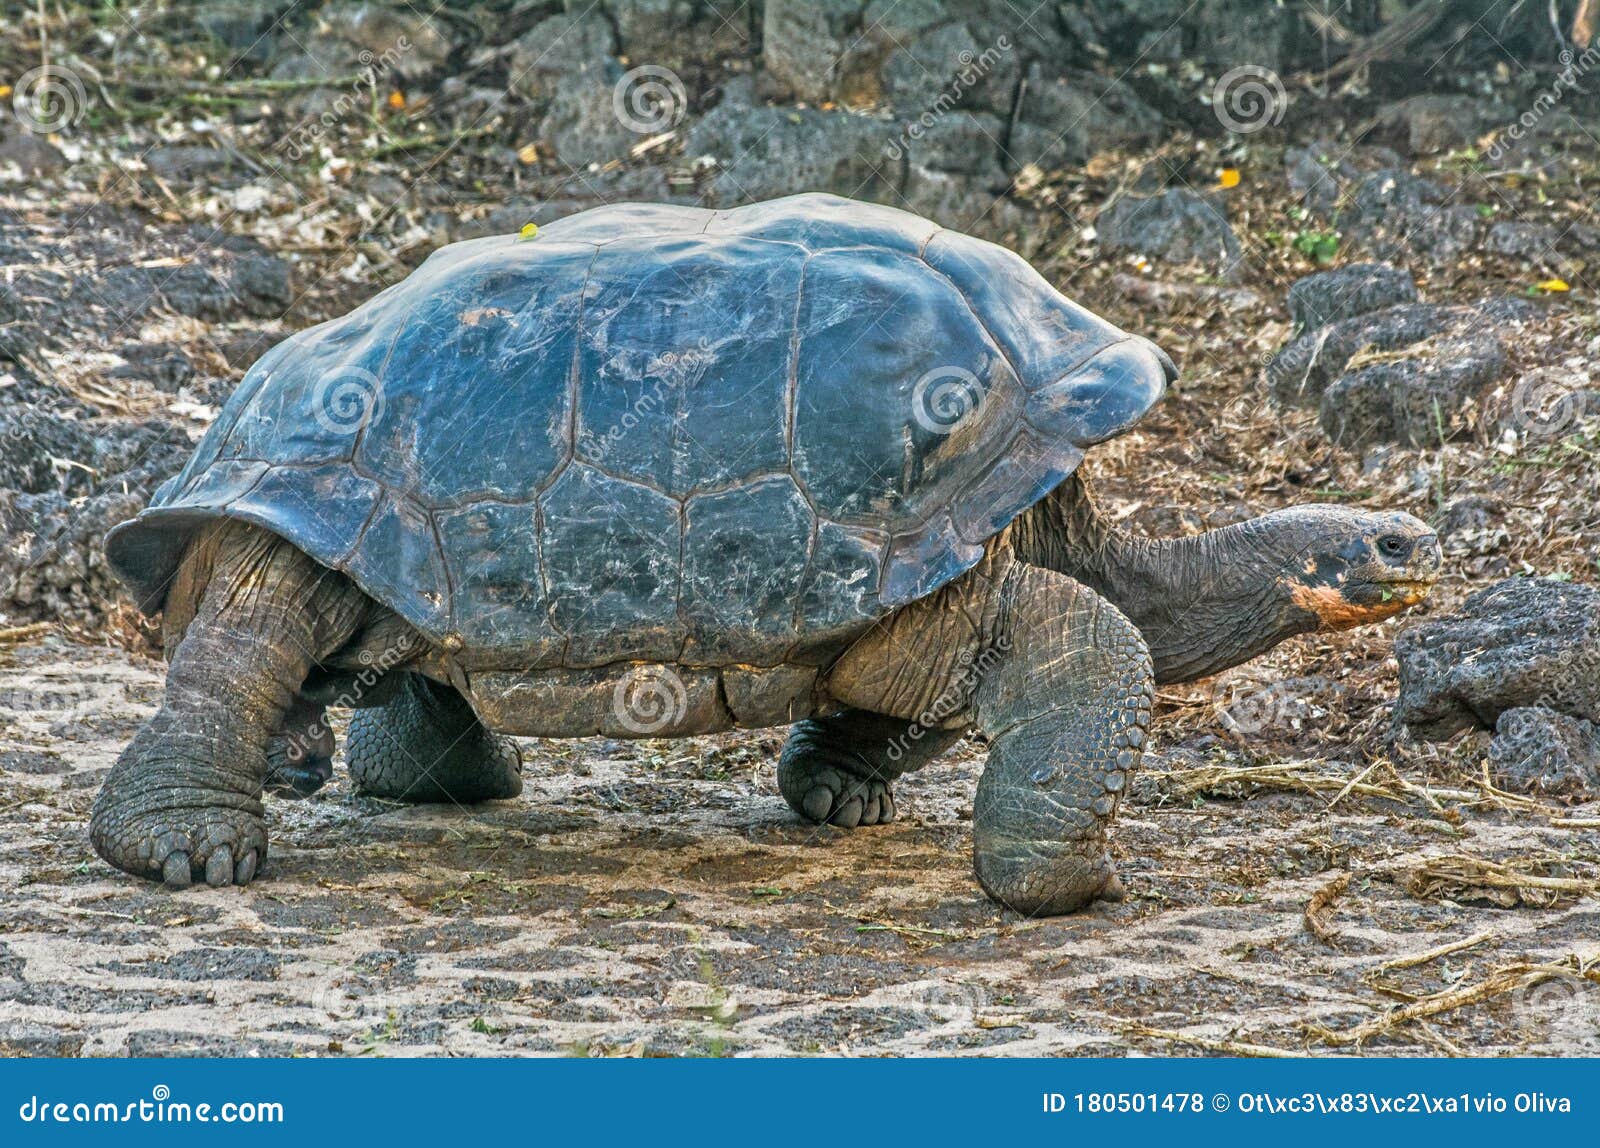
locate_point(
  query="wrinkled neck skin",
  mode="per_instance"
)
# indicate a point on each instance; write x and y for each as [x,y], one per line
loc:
[1203,603]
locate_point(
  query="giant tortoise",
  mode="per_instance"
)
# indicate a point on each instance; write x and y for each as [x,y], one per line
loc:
[659,471]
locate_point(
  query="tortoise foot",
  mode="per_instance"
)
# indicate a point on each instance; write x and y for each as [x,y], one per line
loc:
[182,847]
[827,783]
[426,746]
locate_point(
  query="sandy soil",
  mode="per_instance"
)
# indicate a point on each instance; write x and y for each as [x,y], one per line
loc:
[658,898]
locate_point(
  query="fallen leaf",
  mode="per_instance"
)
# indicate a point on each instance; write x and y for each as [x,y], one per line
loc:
[529,230]
[1554,285]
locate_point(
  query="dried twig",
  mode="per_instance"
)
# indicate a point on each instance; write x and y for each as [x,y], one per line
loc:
[1321,907]
[1524,881]
[1416,959]
[1226,1047]
[1506,979]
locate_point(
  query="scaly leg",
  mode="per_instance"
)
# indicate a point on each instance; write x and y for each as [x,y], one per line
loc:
[426,746]
[183,802]
[1065,709]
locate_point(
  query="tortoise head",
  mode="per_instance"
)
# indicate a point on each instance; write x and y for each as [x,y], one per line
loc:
[1349,568]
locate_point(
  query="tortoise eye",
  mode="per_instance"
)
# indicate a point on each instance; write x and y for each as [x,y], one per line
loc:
[1394,546]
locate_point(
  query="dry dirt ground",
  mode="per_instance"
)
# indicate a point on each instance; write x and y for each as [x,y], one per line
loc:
[1302,879]
[658,898]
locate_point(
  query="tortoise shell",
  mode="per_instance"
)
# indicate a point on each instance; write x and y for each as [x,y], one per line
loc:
[663,433]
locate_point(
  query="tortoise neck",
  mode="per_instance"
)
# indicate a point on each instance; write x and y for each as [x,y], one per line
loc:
[1203,603]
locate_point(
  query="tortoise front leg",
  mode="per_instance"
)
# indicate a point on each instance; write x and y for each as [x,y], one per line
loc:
[1065,708]
[838,769]
[183,802]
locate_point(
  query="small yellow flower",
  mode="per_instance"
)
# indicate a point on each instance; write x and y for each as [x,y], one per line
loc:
[5,91]
[1554,285]
[530,230]
[397,100]
[528,154]
[1228,177]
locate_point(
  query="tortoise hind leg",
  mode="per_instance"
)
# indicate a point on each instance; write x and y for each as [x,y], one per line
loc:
[183,802]
[426,746]
[838,769]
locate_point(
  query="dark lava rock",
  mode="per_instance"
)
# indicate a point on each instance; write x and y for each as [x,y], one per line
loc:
[1428,124]
[762,152]
[1065,118]
[54,517]
[33,761]
[247,28]
[1300,373]
[1520,643]
[1178,226]
[23,1038]
[1416,401]
[1398,216]
[162,365]
[1532,243]
[1328,296]
[1320,171]
[1537,750]
[167,1043]
[31,154]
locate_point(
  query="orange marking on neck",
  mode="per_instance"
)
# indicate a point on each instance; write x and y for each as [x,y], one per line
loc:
[1339,613]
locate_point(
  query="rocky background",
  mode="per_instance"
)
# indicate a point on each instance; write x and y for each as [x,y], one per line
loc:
[1365,230]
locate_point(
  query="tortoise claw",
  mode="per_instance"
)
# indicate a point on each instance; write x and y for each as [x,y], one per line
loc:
[219,868]
[175,873]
